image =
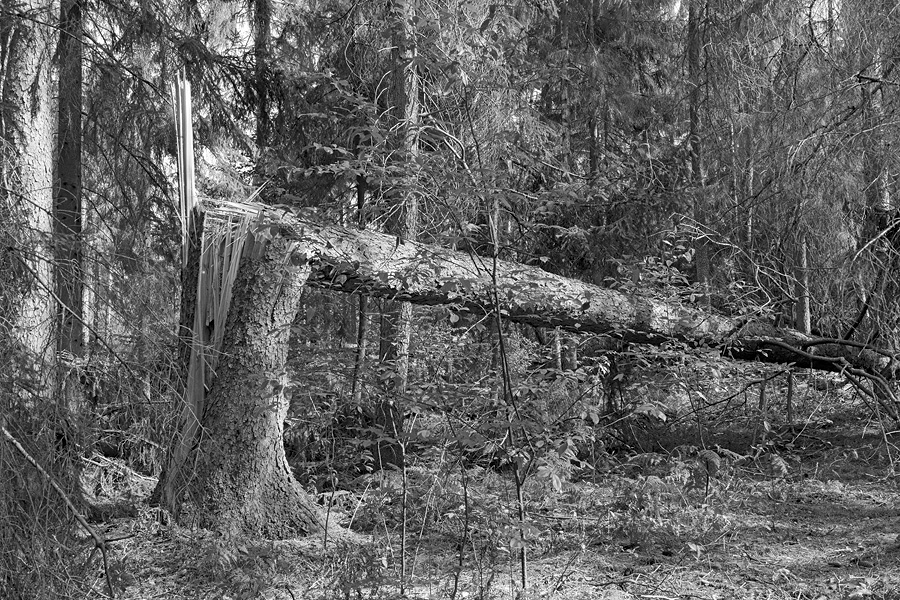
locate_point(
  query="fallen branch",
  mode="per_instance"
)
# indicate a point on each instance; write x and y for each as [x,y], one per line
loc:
[100,543]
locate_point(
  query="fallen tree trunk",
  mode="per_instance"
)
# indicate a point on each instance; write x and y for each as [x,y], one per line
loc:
[377,264]
[237,476]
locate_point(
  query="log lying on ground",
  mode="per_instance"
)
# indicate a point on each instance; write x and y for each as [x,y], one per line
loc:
[377,264]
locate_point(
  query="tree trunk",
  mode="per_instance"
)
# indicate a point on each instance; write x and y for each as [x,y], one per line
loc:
[803,315]
[385,266]
[67,191]
[67,215]
[883,305]
[242,482]
[396,330]
[27,124]
[382,265]
[262,29]
[696,178]
[171,480]
[362,320]
[359,360]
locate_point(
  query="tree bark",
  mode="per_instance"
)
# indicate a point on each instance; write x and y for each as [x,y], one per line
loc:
[397,319]
[695,166]
[362,320]
[396,334]
[171,480]
[242,482]
[27,44]
[67,188]
[803,311]
[382,265]
[879,321]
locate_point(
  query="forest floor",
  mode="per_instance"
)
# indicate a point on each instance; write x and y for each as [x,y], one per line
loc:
[815,518]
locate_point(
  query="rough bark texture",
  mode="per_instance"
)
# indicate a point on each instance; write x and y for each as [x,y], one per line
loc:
[879,321]
[382,265]
[242,481]
[26,183]
[188,305]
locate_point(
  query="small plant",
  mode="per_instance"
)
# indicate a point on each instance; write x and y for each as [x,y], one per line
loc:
[365,569]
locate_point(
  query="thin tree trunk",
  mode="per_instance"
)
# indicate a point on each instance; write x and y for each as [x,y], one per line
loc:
[748,224]
[393,352]
[875,173]
[67,191]
[361,346]
[90,281]
[696,178]
[363,314]
[803,318]
[566,87]
[262,42]
[593,149]
[760,433]
[407,112]
[557,349]
[67,216]
[396,328]
[884,305]
[789,399]
[570,353]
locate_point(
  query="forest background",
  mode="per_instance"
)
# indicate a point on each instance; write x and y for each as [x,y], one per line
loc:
[729,158]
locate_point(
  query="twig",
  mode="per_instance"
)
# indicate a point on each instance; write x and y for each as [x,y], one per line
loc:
[131,472]
[563,517]
[328,512]
[100,543]
[565,571]
[510,399]
[619,582]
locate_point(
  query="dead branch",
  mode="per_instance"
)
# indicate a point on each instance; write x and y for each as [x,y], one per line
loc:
[100,543]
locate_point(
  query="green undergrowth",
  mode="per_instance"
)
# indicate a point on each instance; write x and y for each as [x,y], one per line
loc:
[644,517]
